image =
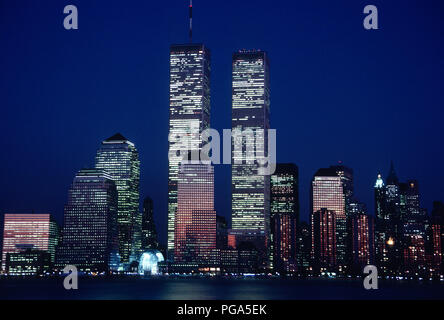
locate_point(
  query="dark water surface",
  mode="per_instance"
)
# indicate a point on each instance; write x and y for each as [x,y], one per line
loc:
[220,289]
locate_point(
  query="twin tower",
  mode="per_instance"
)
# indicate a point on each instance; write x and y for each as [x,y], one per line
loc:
[190,107]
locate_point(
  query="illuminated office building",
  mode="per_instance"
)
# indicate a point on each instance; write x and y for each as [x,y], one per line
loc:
[250,197]
[412,226]
[120,159]
[383,236]
[332,188]
[412,199]
[189,115]
[195,226]
[303,251]
[29,231]
[434,247]
[149,233]
[379,191]
[414,254]
[346,175]
[435,239]
[388,226]
[28,262]
[90,234]
[323,240]
[362,240]
[284,211]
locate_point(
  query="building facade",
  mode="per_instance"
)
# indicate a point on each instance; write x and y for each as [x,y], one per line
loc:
[28,262]
[250,196]
[29,232]
[149,232]
[324,243]
[90,232]
[332,189]
[284,217]
[362,244]
[195,225]
[189,115]
[119,158]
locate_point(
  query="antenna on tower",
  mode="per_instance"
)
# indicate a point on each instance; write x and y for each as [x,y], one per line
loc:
[191,21]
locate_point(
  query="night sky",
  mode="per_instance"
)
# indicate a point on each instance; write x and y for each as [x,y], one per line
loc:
[338,92]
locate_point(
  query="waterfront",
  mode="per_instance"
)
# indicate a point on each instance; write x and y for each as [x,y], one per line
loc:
[213,289]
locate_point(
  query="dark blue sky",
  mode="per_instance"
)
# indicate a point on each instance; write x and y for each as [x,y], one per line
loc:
[338,91]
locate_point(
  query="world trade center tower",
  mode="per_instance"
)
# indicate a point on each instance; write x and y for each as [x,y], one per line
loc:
[189,115]
[250,191]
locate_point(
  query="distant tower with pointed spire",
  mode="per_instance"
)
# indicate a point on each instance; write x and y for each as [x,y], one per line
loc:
[392,178]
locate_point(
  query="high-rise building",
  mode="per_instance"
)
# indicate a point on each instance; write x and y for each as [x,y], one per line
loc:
[323,237]
[346,175]
[284,212]
[433,247]
[149,233]
[392,196]
[412,227]
[412,200]
[90,234]
[362,240]
[250,197]
[332,188]
[189,115]
[29,231]
[414,254]
[195,226]
[303,251]
[435,239]
[388,226]
[379,191]
[119,158]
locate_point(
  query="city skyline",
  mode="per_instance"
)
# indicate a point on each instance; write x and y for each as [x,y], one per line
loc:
[13,202]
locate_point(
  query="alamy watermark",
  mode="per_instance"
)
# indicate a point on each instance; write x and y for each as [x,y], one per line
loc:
[71,21]
[71,280]
[255,147]
[371,281]
[371,20]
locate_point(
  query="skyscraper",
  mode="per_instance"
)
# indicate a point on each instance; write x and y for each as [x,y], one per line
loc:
[362,240]
[120,159]
[90,234]
[413,200]
[388,227]
[195,225]
[149,233]
[29,231]
[189,115]
[304,248]
[332,189]
[433,248]
[412,224]
[434,243]
[324,244]
[284,216]
[379,192]
[250,197]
